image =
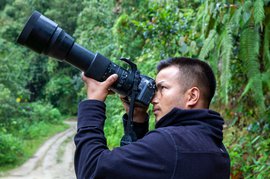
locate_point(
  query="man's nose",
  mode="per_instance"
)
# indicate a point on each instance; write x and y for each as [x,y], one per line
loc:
[154,99]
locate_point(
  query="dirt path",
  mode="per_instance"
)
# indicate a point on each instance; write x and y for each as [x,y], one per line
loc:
[54,160]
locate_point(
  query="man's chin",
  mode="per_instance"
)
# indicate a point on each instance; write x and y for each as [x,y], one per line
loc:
[157,118]
[157,115]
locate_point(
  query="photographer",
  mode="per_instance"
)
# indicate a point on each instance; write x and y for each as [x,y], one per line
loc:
[187,141]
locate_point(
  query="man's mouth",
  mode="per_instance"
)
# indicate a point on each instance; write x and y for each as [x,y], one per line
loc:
[156,110]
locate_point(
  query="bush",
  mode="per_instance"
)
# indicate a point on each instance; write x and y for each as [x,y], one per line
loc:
[44,112]
[11,149]
[8,105]
[36,130]
[61,92]
[249,150]
[113,128]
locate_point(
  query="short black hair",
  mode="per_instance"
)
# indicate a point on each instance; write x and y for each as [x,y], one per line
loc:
[194,73]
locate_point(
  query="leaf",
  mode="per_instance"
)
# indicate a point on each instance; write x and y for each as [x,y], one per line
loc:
[266,45]
[259,11]
[255,139]
[248,87]
[226,51]
[235,21]
[249,51]
[266,78]
[208,44]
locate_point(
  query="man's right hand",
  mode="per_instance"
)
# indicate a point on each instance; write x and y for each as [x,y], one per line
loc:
[98,90]
[140,113]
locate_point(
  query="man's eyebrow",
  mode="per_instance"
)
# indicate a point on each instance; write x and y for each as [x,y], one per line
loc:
[159,83]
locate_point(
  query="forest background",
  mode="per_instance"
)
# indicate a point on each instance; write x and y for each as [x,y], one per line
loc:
[37,93]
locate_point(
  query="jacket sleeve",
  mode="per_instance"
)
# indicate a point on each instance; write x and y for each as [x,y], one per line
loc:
[145,158]
[140,129]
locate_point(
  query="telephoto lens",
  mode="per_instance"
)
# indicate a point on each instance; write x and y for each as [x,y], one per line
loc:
[44,36]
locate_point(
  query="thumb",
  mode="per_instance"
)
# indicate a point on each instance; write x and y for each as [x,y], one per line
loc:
[110,80]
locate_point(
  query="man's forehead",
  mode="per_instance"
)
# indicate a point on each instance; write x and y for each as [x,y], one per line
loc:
[166,73]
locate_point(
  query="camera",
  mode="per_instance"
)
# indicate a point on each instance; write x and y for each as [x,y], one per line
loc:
[45,36]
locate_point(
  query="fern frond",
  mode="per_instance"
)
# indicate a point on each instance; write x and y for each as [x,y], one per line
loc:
[249,51]
[202,17]
[247,5]
[214,61]
[266,45]
[209,44]
[266,78]
[248,87]
[226,51]
[258,11]
[235,20]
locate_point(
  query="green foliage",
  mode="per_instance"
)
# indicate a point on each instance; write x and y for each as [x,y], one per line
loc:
[29,121]
[60,92]
[44,112]
[208,45]
[27,114]
[113,125]
[94,23]
[38,77]
[266,45]
[11,149]
[249,150]
[17,148]
[39,129]
[226,53]
[249,44]
[22,80]
[239,54]
[258,11]
[8,105]
[128,41]
[61,10]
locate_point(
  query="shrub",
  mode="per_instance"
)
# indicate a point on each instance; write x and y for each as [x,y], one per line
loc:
[36,130]
[11,149]
[44,112]
[8,105]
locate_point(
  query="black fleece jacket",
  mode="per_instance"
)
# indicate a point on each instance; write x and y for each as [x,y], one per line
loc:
[185,144]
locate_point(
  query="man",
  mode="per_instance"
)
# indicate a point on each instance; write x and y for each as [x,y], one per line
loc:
[187,141]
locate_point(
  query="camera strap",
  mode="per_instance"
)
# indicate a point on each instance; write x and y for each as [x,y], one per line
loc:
[130,135]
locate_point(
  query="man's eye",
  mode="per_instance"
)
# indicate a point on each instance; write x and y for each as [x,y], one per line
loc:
[163,87]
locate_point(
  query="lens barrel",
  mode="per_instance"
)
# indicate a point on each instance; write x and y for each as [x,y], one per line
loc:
[45,36]
[37,32]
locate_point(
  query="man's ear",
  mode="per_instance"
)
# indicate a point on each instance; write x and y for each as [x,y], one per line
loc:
[193,96]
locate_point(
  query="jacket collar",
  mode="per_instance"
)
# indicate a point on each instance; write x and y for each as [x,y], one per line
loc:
[204,118]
